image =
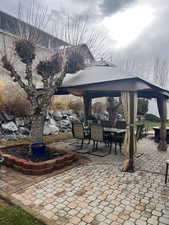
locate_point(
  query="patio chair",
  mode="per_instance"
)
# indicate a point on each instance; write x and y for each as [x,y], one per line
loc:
[117,139]
[121,124]
[79,132]
[98,135]
[106,123]
[140,132]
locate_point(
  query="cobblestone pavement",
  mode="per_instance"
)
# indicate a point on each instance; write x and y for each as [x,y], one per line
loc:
[98,193]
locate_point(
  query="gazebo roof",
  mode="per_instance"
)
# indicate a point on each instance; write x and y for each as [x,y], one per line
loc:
[100,80]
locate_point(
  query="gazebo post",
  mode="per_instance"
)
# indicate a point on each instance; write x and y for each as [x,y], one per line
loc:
[132,135]
[87,99]
[162,108]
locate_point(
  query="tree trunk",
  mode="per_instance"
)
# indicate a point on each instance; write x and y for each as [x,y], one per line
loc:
[112,110]
[87,107]
[37,127]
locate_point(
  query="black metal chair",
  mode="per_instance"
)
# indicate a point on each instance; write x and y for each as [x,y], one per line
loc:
[79,132]
[117,139]
[166,173]
[140,132]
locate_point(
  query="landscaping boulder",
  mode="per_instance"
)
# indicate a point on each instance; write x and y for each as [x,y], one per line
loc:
[24,131]
[74,119]
[19,121]
[65,123]
[9,127]
[2,119]
[50,129]
[57,115]
[7,117]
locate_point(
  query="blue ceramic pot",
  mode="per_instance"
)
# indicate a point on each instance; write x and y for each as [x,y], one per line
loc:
[38,149]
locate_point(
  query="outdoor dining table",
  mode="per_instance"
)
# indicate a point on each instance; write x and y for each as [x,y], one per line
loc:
[114,130]
[157,134]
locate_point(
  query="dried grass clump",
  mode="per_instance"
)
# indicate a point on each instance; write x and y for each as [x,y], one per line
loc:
[25,50]
[98,107]
[18,106]
[57,104]
[76,105]
[75,62]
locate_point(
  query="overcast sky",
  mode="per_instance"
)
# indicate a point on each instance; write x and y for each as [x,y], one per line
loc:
[136,28]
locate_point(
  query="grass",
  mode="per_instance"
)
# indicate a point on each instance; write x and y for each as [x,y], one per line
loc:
[14,215]
[149,124]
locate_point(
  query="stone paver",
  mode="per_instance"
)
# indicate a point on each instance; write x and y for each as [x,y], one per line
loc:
[98,193]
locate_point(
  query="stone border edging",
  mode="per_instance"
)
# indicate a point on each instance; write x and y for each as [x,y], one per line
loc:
[40,168]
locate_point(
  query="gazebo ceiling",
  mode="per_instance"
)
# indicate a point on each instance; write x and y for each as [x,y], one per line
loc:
[99,81]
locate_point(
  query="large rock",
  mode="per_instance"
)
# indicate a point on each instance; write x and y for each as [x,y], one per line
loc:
[65,123]
[9,127]
[19,121]
[7,117]
[24,131]
[52,122]
[27,121]
[2,119]
[50,129]
[57,115]
[74,119]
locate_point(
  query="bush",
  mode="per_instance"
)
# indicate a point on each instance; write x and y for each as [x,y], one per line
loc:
[98,107]
[19,106]
[76,105]
[56,104]
[142,106]
[152,118]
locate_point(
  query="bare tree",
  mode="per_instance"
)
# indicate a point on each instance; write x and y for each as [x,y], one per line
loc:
[51,72]
[112,108]
[161,72]
[78,30]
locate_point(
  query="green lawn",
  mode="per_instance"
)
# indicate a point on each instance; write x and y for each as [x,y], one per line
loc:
[149,125]
[13,215]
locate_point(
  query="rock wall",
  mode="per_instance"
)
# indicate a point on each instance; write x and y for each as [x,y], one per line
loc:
[19,127]
[56,122]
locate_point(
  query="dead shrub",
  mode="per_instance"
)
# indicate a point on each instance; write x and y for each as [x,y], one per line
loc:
[56,104]
[18,106]
[76,106]
[98,107]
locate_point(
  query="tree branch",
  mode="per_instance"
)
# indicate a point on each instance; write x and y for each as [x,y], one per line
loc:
[28,77]
[14,75]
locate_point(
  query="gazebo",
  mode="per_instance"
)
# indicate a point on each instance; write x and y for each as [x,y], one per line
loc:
[101,81]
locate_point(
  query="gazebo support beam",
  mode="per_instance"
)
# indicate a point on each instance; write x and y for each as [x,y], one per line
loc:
[132,139]
[87,107]
[162,108]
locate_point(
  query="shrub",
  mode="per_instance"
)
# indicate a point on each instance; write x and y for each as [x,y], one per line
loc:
[152,118]
[56,104]
[142,106]
[17,106]
[98,107]
[76,105]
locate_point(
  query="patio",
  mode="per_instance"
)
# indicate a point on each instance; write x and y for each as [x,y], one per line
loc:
[96,192]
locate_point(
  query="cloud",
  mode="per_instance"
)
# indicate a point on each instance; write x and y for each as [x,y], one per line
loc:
[151,43]
[108,7]
[154,40]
